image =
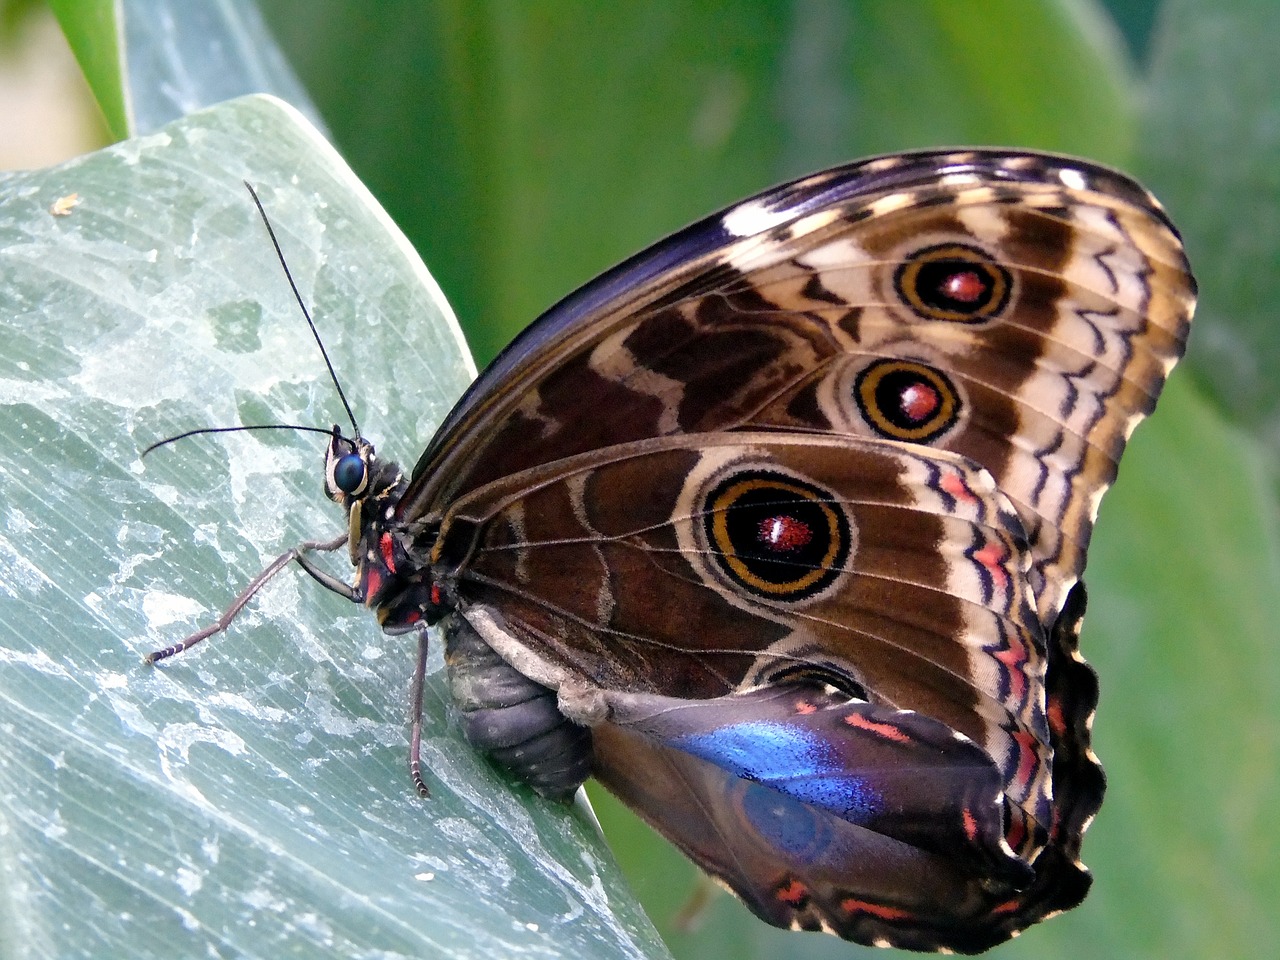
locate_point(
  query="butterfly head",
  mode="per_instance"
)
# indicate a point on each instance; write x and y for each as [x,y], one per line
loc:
[353,472]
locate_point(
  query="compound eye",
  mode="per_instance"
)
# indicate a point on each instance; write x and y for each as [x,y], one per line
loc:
[350,475]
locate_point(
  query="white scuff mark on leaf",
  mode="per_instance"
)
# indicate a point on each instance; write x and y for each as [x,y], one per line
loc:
[175,742]
[162,608]
[36,660]
[131,715]
[243,705]
[189,881]
[18,575]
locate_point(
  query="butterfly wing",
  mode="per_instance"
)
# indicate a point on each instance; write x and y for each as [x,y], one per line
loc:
[1020,309]
[749,461]
[858,604]
[794,797]
[881,826]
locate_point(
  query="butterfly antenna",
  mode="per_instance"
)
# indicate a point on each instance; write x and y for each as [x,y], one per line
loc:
[251,426]
[333,375]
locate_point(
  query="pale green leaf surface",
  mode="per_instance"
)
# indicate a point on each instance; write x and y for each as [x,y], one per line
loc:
[250,798]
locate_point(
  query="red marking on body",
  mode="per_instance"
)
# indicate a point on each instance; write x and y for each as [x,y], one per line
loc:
[793,892]
[849,905]
[919,401]
[886,730]
[963,287]
[372,583]
[388,552]
[970,823]
[992,557]
[954,484]
[784,533]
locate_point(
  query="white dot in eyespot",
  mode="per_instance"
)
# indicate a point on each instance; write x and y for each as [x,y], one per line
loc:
[1073,179]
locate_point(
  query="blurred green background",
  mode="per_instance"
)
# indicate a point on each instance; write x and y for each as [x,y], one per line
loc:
[525,147]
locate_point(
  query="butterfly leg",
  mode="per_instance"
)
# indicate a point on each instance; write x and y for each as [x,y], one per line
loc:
[298,553]
[415,713]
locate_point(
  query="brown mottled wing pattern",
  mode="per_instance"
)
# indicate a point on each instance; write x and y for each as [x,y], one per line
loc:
[1020,309]
[913,588]
[859,600]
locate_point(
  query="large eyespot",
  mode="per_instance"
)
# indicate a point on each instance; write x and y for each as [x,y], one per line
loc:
[906,400]
[349,474]
[955,282]
[777,536]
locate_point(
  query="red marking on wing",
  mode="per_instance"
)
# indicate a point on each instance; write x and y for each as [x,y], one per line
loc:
[1028,759]
[1017,833]
[1013,657]
[970,824]
[805,707]
[919,401]
[792,891]
[784,533]
[850,905]
[965,286]
[372,583]
[954,484]
[886,730]
[437,598]
[992,556]
[1057,719]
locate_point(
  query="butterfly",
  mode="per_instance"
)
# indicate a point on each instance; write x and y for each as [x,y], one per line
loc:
[777,530]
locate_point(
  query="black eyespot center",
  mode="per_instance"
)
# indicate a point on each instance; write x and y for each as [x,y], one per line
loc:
[777,536]
[907,400]
[953,282]
[350,473]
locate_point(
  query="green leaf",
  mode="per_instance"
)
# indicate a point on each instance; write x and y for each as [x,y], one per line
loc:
[152,61]
[92,30]
[250,798]
[1185,597]
[1211,146]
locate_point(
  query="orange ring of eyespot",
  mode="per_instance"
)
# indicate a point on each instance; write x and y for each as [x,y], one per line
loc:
[837,535]
[996,297]
[869,381]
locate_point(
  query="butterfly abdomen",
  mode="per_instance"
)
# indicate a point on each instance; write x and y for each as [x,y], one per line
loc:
[514,719]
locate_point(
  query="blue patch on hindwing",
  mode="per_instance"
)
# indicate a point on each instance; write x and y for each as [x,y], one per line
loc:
[789,759]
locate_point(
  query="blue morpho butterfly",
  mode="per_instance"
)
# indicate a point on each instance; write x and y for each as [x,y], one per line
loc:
[777,530]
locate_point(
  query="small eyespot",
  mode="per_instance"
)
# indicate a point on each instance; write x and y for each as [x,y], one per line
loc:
[953,282]
[350,474]
[907,400]
[776,536]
